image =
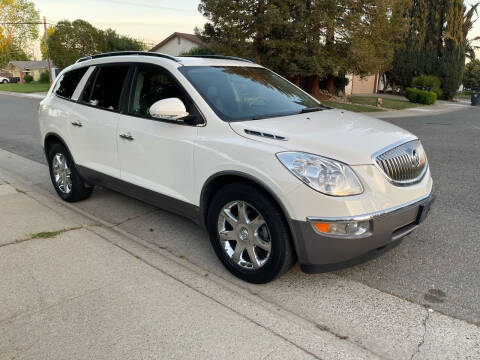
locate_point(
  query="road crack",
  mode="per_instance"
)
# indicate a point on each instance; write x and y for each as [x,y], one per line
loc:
[422,341]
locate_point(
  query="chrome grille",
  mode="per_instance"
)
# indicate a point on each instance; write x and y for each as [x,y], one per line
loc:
[404,164]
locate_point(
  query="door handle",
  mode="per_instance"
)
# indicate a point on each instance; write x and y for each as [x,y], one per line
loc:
[127,136]
[77,123]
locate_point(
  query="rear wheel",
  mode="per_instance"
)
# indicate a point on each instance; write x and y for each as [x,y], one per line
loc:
[249,233]
[5,81]
[65,179]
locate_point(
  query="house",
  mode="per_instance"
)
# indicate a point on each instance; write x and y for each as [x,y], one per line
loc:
[177,44]
[361,85]
[32,67]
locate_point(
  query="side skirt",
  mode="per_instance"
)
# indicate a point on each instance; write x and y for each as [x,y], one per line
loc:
[151,197]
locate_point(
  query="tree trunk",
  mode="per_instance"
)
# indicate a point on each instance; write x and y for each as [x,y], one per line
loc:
[260,37]
[312,86]
[331,84]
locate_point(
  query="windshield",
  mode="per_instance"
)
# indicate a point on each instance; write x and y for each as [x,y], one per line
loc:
[242,92]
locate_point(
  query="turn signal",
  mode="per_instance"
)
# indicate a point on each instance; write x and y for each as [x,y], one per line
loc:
[322,227]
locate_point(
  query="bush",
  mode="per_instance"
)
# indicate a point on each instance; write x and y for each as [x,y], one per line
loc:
[44,78]
[429,83]
[28,78]
[420,96]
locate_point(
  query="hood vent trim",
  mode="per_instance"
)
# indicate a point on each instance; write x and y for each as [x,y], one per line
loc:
[265,135]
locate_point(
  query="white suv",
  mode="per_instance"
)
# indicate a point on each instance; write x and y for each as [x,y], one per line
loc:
[272,174]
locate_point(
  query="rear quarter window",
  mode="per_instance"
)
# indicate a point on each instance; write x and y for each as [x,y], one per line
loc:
[67,84]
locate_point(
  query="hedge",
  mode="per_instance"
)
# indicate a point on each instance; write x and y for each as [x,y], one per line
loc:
[44,78]
[28,78]
[429,83]
[421,96]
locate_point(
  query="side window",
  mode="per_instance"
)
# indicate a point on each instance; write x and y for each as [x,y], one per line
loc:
[104,87]
[150,85]
[66,85]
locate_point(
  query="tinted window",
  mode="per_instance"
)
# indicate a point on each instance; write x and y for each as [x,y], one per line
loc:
[238,92]
[105,87]
[150,85]
[67,84]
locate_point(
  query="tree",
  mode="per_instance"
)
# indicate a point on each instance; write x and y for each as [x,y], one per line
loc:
[471,75]
[306,40]
[199,50]
[13,35]
[115,42]
[70,41]
[436,43]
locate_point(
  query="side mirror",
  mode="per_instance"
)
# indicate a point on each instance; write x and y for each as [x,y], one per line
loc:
[169,109]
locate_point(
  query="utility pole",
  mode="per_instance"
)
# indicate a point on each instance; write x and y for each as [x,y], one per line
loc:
[46,47]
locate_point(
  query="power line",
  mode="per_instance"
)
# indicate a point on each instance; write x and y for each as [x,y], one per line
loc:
[25,23]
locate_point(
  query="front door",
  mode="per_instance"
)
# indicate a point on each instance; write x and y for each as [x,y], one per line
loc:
[157,154]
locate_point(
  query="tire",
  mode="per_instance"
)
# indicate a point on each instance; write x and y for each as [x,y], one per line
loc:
[5,81]
[73,187]
[271,242]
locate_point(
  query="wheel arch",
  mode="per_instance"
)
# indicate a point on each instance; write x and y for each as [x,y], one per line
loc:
[223,178]
[53,138]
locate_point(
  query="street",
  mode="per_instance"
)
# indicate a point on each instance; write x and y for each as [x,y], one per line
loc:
[436,266]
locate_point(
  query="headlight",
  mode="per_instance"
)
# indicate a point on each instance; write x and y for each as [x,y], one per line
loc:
[322,174]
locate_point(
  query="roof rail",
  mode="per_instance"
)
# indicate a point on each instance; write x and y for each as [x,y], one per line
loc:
[219,57]
[122,53]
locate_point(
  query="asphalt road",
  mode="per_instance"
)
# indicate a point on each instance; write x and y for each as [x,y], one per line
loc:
[438,265]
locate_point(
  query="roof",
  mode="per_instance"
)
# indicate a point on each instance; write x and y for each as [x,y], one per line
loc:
[30,65]
[191,37]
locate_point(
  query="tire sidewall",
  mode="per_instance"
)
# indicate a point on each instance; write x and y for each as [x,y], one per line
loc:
[279,232]
[78,190]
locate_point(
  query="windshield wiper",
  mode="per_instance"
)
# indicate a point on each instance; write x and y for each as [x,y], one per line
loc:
[312,109]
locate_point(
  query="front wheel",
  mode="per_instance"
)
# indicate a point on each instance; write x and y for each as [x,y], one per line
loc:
[65,179]
[249,233]
[5,81]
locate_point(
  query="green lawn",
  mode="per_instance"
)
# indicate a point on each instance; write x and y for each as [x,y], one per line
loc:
[350,107]
[388,103]
[463,96]
[25,88]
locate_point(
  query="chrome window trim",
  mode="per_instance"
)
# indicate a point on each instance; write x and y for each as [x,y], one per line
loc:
[370,216]
[399,182]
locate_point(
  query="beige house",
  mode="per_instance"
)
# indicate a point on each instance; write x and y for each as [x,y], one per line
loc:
[177,44]
[21,68]
[358,85]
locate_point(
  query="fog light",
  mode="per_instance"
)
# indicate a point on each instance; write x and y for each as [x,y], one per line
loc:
[342,228]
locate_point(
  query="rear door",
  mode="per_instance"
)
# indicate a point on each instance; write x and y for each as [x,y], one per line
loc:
[93,135]
[157,154]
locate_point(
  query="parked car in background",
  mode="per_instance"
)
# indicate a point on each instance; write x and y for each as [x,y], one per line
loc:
[271,173]
[4,80]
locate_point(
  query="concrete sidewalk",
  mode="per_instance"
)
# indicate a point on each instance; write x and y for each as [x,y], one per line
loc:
[74,285]
[440,107]
[73,289]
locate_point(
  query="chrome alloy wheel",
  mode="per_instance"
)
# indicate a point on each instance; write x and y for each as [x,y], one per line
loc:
[244,235]
[61,173]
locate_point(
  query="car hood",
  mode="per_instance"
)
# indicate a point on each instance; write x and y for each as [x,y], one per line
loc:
[348,137]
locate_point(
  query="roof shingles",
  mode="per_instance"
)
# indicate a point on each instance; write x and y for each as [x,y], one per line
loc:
[29,65]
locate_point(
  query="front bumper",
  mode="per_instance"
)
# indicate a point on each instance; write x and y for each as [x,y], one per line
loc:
[321,253]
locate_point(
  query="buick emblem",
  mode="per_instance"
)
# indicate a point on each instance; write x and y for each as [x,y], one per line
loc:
[415,158]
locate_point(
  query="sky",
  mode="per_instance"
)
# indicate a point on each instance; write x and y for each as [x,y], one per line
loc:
[147,20]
